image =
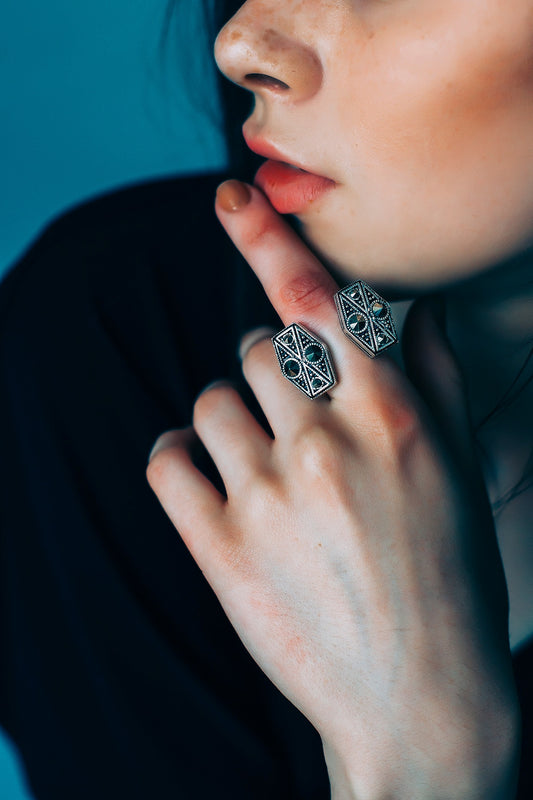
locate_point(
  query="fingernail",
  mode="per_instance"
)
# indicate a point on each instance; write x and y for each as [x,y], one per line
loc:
[233,195]
[166,439]
[252,337]
[214,384]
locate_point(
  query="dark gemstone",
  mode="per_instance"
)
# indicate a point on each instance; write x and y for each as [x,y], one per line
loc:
[292,368]
[316,383]
[379,309]
[289,339]
[357,322]
[313,352]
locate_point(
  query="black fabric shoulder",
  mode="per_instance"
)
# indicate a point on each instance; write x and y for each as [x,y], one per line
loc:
[118,221]
[170,222]
[115,650]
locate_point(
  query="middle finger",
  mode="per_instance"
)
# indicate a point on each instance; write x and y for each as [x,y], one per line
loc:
[284,407]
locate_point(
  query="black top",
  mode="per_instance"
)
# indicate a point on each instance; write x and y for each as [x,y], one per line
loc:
[121,676]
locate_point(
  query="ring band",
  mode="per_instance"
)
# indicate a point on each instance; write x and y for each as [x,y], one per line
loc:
[304,360]
[366,318]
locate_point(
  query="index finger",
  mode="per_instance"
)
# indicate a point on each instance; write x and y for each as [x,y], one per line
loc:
[296,283]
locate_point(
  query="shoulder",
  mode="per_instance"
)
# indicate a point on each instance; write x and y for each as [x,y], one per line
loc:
[158,221]
[127,214]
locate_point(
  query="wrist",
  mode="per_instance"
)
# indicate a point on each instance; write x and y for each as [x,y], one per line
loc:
[456,767]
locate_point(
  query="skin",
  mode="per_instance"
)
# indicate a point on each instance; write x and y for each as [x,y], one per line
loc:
[355,553]
[426,109]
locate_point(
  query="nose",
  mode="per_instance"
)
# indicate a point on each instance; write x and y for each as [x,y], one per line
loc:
[253,51]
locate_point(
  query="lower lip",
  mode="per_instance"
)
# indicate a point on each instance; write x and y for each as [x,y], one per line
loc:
[290,190]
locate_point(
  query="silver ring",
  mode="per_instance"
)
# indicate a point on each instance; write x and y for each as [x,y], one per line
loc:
[366,318]
[304,360]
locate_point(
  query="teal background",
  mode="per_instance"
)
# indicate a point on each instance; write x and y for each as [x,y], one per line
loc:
[86,106]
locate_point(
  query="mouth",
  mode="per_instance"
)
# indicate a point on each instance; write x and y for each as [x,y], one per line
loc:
[290,187]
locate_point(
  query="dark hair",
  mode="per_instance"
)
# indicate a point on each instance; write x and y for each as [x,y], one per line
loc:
[202,19]
[195,24]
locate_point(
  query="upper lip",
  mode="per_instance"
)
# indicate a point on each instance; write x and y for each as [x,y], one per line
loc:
[264,148]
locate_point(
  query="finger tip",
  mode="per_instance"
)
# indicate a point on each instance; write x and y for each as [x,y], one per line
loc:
[165,441]
[252,337]
[232,195]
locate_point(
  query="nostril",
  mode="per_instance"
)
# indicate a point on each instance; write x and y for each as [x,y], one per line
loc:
[266,80]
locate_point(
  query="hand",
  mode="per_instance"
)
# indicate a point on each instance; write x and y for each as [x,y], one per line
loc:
[355,553]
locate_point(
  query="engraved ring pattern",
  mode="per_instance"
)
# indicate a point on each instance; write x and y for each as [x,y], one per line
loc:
[366,318]
[304,360]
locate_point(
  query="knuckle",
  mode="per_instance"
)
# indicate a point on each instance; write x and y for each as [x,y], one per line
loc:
[261,491]
[396,426]
[305,293]
[324,460]
[265,491]
[316,453]
[259,231]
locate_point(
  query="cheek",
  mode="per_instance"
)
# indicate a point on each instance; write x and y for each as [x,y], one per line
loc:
[435,148]
[423,98]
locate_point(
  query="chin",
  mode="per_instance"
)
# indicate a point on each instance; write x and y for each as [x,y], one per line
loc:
[395,287]
[445,266]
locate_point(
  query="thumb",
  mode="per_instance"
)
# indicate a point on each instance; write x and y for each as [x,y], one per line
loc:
[432,367]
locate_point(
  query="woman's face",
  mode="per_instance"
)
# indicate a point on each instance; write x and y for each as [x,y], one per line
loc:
[420,110]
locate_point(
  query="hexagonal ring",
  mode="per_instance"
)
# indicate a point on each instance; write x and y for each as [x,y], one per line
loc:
[304,360]
[366,318]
